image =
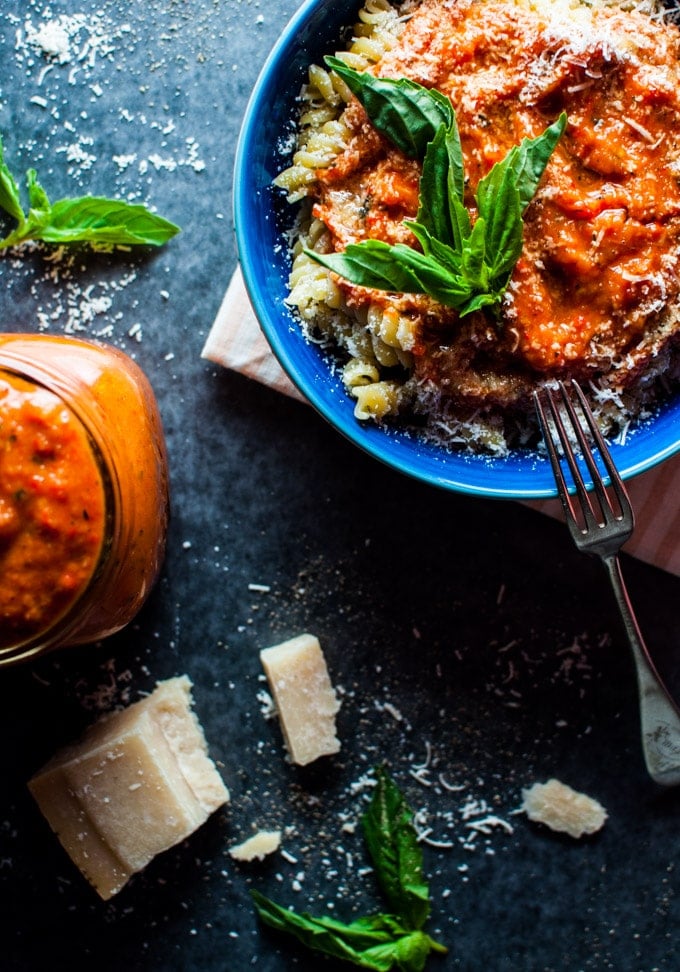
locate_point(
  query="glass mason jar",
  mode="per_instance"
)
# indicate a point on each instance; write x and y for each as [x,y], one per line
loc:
[83,492]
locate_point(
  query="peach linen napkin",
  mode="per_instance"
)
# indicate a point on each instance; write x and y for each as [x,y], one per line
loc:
[235,341]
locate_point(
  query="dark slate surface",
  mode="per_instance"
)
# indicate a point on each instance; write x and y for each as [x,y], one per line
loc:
[467,629]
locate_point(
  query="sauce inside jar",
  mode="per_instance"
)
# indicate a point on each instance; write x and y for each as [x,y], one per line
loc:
[84,496]
[52,509]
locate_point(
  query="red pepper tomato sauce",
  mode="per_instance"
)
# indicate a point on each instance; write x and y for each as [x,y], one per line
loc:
[601,252]
[52,509]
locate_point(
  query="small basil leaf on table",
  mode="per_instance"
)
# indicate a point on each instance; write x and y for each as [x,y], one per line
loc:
[9,191]
[87,219]
[384,941]
[397,856]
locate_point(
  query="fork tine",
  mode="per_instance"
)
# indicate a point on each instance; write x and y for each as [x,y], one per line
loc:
[616,483]
[549,432]
[585,446]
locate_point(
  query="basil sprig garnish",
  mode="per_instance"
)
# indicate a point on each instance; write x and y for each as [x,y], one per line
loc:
[94,220]
[463,265]
[394,940]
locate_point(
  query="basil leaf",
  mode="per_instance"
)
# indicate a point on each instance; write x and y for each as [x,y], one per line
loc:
[367,931]
[94,220]
[529,159]
[395,268]
[379,942]
[406,112]
[362,933]
[396,853]
[522,167]
[409,953]
[474,256]
[478,302]
[37,197]
[442,186]
[446,256]
[9,191]
[88,219]
[353,942]
[460,222]
[504,194]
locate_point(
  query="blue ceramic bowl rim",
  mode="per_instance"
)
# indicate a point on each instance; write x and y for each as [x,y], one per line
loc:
[261,217]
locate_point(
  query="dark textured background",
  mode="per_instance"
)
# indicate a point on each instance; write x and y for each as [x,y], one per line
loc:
[467,627]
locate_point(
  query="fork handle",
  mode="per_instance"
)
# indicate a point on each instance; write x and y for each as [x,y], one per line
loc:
[659,715]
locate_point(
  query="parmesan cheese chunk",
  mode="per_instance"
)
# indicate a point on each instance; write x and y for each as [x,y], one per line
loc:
[138,782]
[563,809]
[304,697]
[258,846]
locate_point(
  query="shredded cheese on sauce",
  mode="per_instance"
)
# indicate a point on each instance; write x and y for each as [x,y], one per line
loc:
[596,291]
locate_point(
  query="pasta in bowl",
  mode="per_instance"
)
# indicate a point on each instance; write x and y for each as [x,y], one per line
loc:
[437,382]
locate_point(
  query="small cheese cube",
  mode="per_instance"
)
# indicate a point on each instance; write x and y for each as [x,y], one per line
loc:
[304,697]
[138,782]
[562,809]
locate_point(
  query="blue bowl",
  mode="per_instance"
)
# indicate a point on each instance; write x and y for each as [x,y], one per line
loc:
[261,217]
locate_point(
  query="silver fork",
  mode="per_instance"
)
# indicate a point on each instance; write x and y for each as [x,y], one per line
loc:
[600,521]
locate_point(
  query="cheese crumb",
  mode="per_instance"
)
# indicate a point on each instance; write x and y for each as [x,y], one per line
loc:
[257,847]
[562,809]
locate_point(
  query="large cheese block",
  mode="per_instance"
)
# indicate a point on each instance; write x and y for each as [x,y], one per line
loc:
[304,697]
[138,782]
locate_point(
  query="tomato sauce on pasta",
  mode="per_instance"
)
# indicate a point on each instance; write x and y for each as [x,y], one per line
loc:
[595,292]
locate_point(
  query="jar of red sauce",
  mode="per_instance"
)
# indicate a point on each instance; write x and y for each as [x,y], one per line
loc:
[83,492]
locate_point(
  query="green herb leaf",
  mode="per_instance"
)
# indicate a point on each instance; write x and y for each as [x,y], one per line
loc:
[395,268]
[442,187]
[409,953]
[464,266]
[396,853]
[403,110]
[500,212]
[529,159]
[87,219]
[37,197]
[328,936]
[9,191]
[504,194]
[95,220]
[378,942]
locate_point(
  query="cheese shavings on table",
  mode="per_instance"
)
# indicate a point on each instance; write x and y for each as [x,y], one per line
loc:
[305,699]
[137,783]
